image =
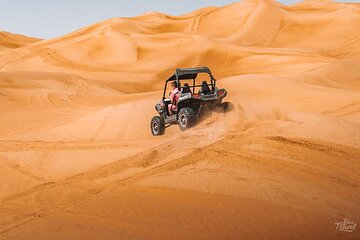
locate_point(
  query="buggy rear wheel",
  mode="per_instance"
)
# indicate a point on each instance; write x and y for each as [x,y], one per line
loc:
[186,118]
[157,126]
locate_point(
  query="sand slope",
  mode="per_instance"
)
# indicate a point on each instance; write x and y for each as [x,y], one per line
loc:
[77,159]
[11,41]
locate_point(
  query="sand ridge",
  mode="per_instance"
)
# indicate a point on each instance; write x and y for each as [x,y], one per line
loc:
[10,41]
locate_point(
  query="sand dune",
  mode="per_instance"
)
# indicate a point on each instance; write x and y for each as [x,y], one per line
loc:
[77,158]
[11,41]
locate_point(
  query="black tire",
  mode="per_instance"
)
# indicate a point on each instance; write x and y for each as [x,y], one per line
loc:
[186,118]
[157,126]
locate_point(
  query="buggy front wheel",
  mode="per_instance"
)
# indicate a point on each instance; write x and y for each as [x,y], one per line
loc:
[157,126]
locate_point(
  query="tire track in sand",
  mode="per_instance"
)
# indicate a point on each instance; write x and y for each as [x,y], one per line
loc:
[195,24]
[144,163]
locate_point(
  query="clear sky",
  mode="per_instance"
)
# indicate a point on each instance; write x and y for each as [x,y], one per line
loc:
[51,18]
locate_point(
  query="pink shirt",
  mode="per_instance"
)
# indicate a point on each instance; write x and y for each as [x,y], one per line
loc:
[174,97]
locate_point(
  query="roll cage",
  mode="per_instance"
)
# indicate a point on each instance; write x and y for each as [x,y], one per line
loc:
[188,74]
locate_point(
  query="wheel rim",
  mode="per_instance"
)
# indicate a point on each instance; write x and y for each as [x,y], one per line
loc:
[183,120]
[155,127]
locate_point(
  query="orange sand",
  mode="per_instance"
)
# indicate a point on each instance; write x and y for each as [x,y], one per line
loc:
[11,41]
[77,159]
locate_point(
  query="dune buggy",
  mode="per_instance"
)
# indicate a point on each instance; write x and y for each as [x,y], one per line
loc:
[193,99]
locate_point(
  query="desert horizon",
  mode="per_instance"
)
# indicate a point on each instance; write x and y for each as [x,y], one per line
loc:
[78,159]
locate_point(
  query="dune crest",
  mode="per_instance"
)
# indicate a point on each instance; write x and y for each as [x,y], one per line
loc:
[11,41]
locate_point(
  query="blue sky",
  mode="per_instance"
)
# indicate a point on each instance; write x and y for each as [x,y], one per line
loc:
[51,18]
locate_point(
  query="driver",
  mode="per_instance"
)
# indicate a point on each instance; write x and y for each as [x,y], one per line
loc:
[174,97]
